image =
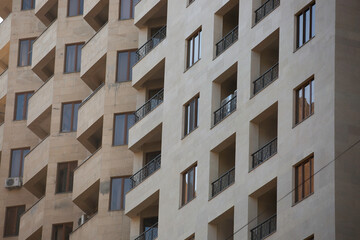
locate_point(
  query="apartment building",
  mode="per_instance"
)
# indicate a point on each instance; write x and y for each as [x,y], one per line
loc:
[179,119]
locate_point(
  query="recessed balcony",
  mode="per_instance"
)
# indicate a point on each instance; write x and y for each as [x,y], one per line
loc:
[35,168]
[32,221]
[149,106]
[40,108]
[151,233]
[264,8]
[43,56]
[264,229]
[145,10]
[155,40]
[222,227]
[150,168]
[46,10]
[3,83]
[96,13]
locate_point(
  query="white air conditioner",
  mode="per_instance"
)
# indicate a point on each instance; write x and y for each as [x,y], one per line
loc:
[82,219]
[13,182]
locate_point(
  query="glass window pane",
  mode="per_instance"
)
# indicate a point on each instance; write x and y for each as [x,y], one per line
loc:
[75,120]
[26,5]
[70,58]
[78,58]
[300,182]
[62,177]
[300,30]
[123,66]
[191,184]
[200,44]
[15,163]
[307,25]
[307,179]
[73,8]
[119,130]
[312,97]
[116,189]
[307,101]
[196,49]
[299,105]
[66,118]
[125,9]
[195,180]
[30,51]
[20,101]
[23,53]
[313,21]
[10,221]
[81,10]
[190,60]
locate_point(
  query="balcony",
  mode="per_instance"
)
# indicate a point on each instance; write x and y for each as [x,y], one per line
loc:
[46,10]
[222,227]
[5,29]
[32,221]
[155,40]
[149,9]
[264,153]
[35,168]
[264,229]
[227,41]
[96,13]
[40,108]
[150,234]
[146,171]
[268,77]
[149,106]
[265,9]
[226,109]
[90,119]
[3,84]
[87,229]
[223,182]
[43,56]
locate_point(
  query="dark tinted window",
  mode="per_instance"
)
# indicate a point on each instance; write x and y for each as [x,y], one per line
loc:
[27,4]
[122,124]
[25,52]
[17,162]
[65,176]
[69,117]
[62,231]
[119,188]
[126,61]
[75,7]
[21,105]
[73,58]
[12,220]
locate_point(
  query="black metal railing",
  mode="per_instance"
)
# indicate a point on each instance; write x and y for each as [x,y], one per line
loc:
[150,105]
[264,153]
[227,41]
[268,77]
[146,171]
[151,44]
[150,234]
[265,9]
[225,110]
[223,182]
[92,94]
[264,229]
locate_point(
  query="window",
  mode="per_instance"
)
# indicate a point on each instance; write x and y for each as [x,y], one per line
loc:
[194,49]
[12,220]
[305,101]
[119,187]
[73,57]
[75,7]
[122,124]
[125,62]
[69,117]
[21,105]
[191,115]
[304,179]
[25,52]
[306,25]
[62,231]
[27,4]
[127,9]
[17,161]
[65,177]
[189,185]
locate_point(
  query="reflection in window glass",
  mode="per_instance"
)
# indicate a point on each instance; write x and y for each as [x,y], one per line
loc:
[122,124]
[69,117]
[127,9]
[73,57]
[75,7]
[304,101]
[194,49]
[25,52]
[27,5]
[306,25]
[17,162]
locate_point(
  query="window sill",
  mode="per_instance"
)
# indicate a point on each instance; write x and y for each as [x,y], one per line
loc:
[69,132]
[121,145]
[192,65]
[296,203]
[297,124]
[125,19]
[303,44]
[74,16]
[189,133]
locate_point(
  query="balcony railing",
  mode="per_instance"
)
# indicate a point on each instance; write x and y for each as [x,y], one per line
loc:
[91,95]
[225,110]
[151,44]
[146,171]
[264,229]
[227,41]
[264,153]
[268,77]
[150,105]
[150,234]
[265,9]
[223,182]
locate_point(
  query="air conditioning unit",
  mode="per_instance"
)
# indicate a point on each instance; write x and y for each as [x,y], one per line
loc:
[82,219]
[13,182]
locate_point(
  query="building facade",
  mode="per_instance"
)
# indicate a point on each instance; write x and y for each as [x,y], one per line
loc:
[168,119]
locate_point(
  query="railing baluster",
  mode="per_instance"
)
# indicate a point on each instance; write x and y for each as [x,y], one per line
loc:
[221,113]
[222,182]
[146,171]
[150,105]
[260,155]
[261,79]
[265,9]
[151,43]
[227,41]
[150,234]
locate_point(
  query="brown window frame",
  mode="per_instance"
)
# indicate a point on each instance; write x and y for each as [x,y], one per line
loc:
[123,194]
[129,68]
[198,32]
[184,196]
[303,13]
[132,10]
[72,115]
[31,8]
[76,56]
[22,158]
[78,13]
[196,120]
[63,229]
[26,104]
[30,46]
[303,117]
[17,221]
[300,167]
[68,188]
[126,133]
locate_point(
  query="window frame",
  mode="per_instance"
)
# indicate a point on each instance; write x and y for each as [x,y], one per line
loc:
[76,56]
[63,229]
[129,67]
[31,8]
[123,194]
[302,12]
[132,10]
[196,117]
[21,162]
[26,104]
[198,32]
[78,13]
[68,188]
[126,133]
[309,82]
[72,116]
[30,46]
[301,164]
[17,220]
[184,196]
